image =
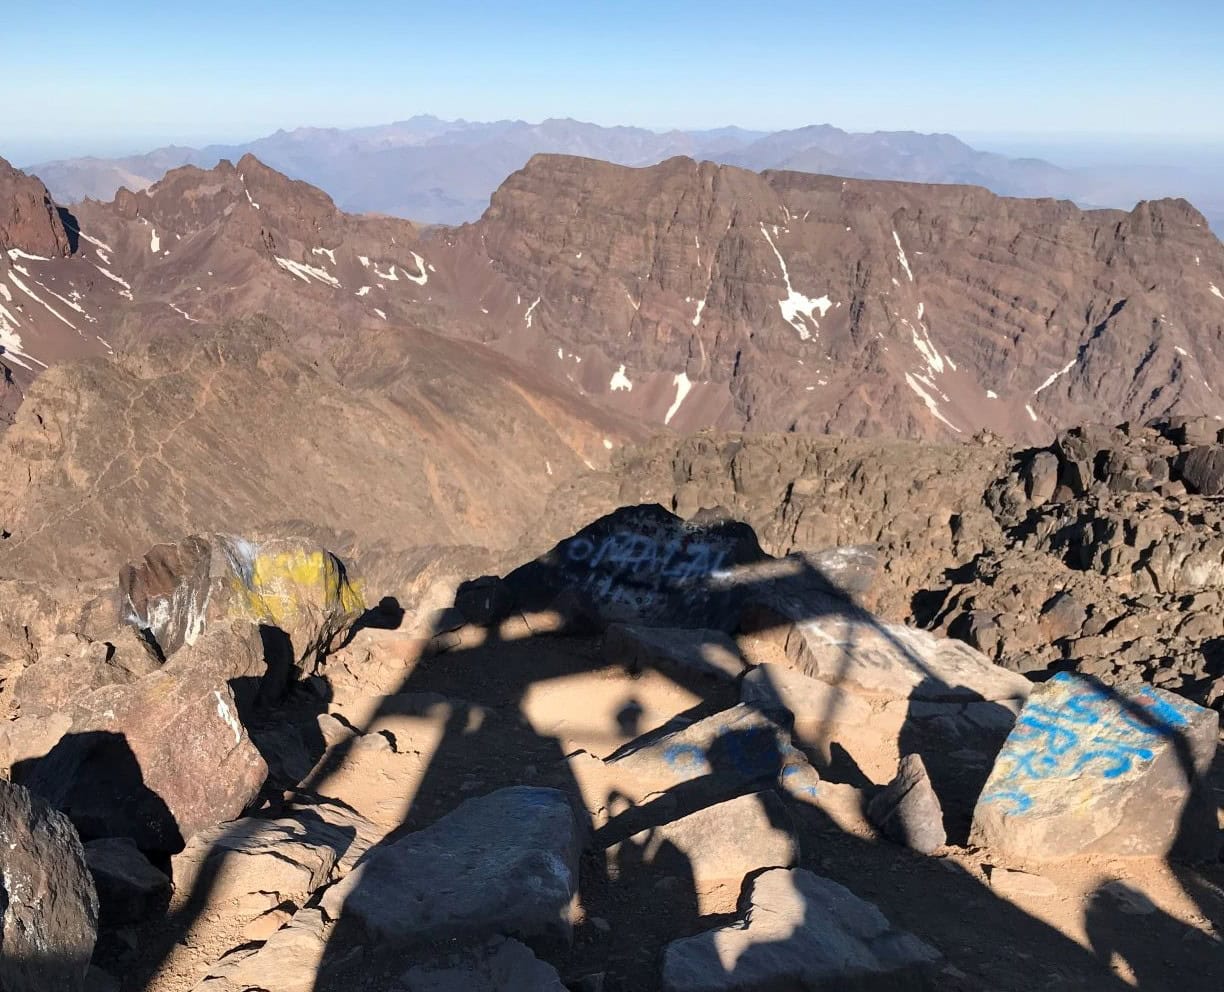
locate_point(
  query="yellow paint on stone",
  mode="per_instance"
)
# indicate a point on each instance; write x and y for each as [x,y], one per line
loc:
[282,582]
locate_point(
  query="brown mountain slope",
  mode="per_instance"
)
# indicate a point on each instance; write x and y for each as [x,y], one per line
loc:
[406,442]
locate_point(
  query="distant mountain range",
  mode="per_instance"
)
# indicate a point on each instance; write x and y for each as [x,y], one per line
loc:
[443,172]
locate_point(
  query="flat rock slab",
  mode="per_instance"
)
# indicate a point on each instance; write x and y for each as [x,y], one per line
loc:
[830,639]
[1095,770]
[48,906]
[503,864]
[735,747]
[805,932]
[723,842]
[701,652]
[501,965]
[290,857]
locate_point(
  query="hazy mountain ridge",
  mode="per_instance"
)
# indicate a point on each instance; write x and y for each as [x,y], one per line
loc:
[437,171]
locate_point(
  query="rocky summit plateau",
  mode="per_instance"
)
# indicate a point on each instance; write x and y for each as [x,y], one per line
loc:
[680,578]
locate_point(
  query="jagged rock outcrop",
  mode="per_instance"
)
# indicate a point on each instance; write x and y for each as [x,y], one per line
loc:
[29,220]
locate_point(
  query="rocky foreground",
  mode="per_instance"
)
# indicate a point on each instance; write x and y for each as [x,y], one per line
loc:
[653,757]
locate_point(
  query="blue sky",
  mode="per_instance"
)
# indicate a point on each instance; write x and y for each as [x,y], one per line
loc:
[109,76]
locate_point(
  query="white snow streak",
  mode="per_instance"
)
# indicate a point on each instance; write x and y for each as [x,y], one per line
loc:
[307,272]
[112,277]
[363,291]
[423,277]
[527,316]
[325,251]
[154,241]
[682,390]
[1215,290]
[38,299]
[991,394]
[697,316]
[901,256]
[95,242]
[183,313]
[620,381]
[1054,376]
[16,253]
[380,313]
[796,303]
[929,400]
[1029,410]
[1180,350]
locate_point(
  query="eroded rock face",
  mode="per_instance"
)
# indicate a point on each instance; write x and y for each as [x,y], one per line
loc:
[1093,770]
[801,931]
[907,809]
[176,591]
[49,906]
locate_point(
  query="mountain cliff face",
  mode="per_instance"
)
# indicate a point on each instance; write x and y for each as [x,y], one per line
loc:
[29,221]
[790,301]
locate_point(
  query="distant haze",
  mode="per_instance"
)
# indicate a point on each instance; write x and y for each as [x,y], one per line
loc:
[443,171]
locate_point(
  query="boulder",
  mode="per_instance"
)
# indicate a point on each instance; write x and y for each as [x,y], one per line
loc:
[702,652]
[177,590]
[48,905]
[1062,617]
[1090,769]
[1202,470]
[907,809]
[723,842]
[499,965]
[1041,477]
[129,888]
[156,761]
[801,931]
[502,864]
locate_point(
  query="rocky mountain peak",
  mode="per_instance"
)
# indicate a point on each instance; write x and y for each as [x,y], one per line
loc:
[29,219]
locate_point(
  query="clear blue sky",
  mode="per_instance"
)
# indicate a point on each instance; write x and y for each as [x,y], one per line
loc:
[114,75]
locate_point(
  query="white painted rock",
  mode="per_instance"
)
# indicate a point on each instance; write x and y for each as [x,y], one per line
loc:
[1094,770]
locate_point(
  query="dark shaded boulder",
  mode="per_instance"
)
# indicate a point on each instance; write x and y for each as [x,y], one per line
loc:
[639,565]
[129,888]
[49,908]
[1202,470]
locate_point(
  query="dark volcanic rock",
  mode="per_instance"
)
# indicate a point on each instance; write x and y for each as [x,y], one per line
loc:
[47,900]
